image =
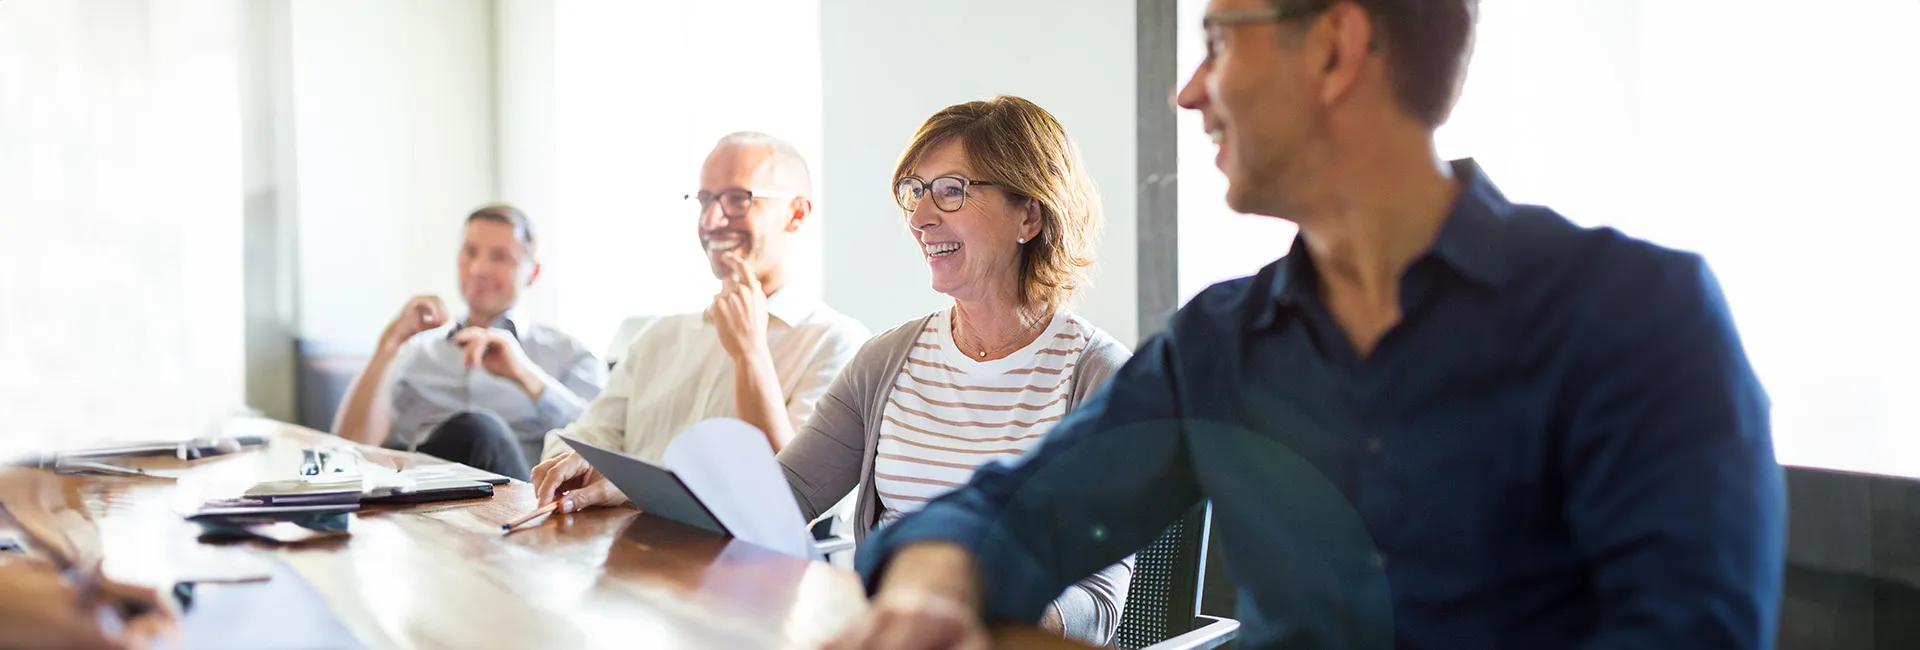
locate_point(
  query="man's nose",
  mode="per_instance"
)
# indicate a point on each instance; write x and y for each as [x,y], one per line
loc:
[1192,95]
[713,216]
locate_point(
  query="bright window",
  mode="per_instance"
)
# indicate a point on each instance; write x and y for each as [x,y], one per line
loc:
[1775,139]
[120,221]
[643,91]
[1215,243]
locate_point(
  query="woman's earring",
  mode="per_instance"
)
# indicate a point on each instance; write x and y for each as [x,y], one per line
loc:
[1023,240]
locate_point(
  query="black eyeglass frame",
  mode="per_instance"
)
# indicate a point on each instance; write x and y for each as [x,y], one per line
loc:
[706,200]
[1210,24]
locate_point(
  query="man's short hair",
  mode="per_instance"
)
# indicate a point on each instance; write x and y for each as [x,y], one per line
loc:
[509,215]
[789,167]
[1427,43]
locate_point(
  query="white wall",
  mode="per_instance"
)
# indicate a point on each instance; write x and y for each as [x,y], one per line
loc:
[592,115]
[393,146]
[888,65]
[526,125]
[642,91]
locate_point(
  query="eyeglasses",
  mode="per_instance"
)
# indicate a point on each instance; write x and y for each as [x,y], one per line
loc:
[734,203]
[949,192]
[1214,24]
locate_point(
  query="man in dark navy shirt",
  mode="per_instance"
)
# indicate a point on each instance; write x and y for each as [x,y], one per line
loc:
[1442,420]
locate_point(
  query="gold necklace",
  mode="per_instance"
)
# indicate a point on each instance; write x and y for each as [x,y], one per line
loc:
[954,320]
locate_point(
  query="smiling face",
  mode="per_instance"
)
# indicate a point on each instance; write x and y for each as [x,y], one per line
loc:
[1297,102]
[493,264]
[760,232]
[974,252]
[1258,99]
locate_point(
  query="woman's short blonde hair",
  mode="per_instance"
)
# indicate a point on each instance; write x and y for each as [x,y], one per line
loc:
[1021,148]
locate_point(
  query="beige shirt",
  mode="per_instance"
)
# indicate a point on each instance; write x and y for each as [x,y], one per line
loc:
[676,374]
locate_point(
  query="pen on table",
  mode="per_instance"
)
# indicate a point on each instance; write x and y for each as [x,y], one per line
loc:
[542,510]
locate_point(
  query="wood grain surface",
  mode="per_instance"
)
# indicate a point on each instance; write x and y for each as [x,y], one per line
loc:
[441,575]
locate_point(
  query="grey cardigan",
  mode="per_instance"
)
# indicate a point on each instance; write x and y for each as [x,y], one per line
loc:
[833,451]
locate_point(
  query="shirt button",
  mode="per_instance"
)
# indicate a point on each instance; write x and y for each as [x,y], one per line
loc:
[1373,445]
[1378,562]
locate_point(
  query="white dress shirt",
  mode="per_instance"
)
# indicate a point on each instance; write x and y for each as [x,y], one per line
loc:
[676,373]
[429,382]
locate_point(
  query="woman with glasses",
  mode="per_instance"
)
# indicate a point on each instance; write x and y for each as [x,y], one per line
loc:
[1004,214]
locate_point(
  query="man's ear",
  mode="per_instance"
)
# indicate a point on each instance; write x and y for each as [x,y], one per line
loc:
[802,207]
[535,275]
[1345,45]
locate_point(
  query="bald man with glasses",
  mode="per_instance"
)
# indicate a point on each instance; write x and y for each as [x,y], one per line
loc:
[763,351]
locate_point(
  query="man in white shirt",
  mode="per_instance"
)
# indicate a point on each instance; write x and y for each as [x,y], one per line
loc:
[484,390]
[762,352]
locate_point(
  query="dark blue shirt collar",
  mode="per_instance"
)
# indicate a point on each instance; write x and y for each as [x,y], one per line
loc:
[1470,243]
[505,322]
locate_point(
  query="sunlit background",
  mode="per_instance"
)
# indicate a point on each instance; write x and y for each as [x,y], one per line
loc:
[197,197]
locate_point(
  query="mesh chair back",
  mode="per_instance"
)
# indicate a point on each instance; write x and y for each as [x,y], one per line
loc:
[1162,595]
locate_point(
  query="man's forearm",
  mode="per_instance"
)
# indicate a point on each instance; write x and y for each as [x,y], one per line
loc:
[941,568]
[758,399]
[362,417]
[556,404]
[534,385]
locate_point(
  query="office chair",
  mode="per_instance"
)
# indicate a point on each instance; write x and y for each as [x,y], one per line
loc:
[1163,599]
[832,535]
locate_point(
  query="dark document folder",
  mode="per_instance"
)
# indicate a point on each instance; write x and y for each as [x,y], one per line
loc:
[653,489]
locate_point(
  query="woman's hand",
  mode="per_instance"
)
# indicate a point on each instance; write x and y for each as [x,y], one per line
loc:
[568,478]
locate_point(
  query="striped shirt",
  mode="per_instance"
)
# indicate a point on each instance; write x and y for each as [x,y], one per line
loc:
[948,414]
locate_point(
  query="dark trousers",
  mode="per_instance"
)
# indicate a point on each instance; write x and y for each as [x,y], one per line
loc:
[479,440]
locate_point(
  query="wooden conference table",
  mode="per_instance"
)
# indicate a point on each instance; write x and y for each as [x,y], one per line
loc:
[441,575]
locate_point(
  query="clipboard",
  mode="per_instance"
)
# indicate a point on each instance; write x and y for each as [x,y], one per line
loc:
[653,489]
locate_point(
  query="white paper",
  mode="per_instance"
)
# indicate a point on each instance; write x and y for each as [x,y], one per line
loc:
[729,466]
